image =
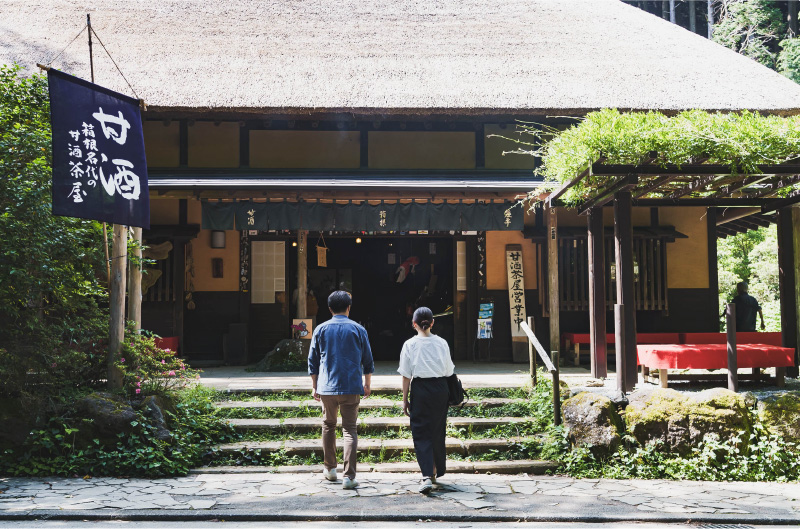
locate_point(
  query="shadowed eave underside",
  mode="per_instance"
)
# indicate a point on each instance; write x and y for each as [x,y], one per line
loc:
[370,57]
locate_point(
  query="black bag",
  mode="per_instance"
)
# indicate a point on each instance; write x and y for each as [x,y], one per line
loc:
[457,395]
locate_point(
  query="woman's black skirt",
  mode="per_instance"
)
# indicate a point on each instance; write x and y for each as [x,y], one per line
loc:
[428,403]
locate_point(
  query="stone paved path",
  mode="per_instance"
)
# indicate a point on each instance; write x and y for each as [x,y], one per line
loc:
[394,496]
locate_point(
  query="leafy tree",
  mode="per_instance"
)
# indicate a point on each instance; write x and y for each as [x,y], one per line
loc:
[49,291]
[789,59]
[751,27]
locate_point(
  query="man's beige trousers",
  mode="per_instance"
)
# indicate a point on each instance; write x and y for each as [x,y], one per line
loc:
[348,404]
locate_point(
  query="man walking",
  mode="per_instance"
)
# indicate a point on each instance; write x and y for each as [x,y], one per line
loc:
[746,309]
[338,356]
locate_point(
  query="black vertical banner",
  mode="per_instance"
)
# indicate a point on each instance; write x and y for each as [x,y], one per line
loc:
[99,166]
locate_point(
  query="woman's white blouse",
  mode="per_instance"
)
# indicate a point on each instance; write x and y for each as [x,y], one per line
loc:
[425,357]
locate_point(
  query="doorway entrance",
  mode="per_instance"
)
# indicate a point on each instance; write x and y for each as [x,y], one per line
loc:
[389,277]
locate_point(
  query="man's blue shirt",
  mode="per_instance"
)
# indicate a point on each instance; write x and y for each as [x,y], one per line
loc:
[339,355]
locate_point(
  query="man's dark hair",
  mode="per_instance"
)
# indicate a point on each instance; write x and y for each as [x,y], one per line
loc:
[741,287]
[339,301]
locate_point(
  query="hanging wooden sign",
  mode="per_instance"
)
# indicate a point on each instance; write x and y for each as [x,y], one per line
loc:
[322,252]
[516,288]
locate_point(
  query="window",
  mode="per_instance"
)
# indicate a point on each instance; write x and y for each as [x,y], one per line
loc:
[649,267]
[267,271]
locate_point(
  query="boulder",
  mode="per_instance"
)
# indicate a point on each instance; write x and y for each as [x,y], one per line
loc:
[592,420]
[17,422]
[780,415]
[681,422]
[107,414]
[287,354]
[152,408]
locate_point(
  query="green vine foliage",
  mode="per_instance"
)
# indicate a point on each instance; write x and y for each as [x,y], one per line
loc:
[741,141]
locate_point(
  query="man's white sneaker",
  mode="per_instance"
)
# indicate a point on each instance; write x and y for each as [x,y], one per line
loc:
[350,483]
[330,475]
[426,486]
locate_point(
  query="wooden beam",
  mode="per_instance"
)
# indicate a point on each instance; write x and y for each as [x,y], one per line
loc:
[597,293]
[116,304]
[623,245]
[726,215]
[302,273]
[693,186]
[733,363]
[135,282]
[793,371]
[653,185]
[552,278]
[586,171]
[607,195]
[748,181]
[787,281]
[775,205]
[713,265]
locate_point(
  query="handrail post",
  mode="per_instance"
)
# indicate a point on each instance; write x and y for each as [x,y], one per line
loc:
[556,391]
[733,363]
[532,356]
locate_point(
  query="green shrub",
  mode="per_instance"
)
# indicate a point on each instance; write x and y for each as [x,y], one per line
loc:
[58,448]
[149,370]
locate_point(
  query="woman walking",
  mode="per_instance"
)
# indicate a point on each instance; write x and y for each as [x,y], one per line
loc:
[425,365]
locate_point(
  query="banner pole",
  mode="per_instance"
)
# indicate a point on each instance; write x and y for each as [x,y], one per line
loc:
[91,72]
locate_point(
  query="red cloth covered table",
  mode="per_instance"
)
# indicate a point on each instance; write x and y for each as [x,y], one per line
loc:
[168,342]
[713,356]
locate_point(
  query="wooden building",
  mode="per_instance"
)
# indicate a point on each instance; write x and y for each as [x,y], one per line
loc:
[322,114]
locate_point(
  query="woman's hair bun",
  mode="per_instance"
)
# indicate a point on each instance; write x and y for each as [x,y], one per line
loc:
[423,317]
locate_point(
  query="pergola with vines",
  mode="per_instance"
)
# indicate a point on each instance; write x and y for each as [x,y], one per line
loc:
[743,167]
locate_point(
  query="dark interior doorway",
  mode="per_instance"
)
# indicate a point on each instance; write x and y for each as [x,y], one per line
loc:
[389,277]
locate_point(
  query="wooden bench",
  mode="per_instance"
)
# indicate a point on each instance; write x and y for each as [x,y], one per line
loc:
[714,356]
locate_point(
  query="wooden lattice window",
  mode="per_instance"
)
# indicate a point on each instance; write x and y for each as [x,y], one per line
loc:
[650,273]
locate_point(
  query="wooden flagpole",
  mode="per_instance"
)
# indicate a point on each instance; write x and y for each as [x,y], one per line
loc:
[116,267]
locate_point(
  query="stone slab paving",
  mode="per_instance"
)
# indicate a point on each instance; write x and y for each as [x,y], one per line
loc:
[394,496]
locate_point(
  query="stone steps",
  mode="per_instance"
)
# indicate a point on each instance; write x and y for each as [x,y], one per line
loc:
[311,424]
[522,466]
[366,404]
[386,447]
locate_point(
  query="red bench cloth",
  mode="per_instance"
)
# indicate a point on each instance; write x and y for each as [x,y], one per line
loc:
[643,337]
[769,338]
[167,342]
[713,356]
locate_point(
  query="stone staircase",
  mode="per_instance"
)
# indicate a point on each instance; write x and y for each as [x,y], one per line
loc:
[281,433]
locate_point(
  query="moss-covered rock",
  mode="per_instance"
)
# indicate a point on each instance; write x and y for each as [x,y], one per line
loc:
[780,415]
[592,420]
[104,416]
[681,422]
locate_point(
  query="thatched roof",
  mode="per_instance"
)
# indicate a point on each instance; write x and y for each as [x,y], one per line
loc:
[394,56]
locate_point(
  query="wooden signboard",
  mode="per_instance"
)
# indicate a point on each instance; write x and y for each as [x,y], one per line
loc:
[516,288]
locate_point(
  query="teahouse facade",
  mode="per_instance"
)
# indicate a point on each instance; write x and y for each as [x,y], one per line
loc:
[296,149]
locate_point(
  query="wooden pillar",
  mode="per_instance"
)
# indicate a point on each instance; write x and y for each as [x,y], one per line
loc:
[302,273]
[135,281]
[179,290]
[623,245]
[733,362]
[713,265]
[597,293]
[692,17]
[552,278]
[116,335]
[793,371]
[787,282]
